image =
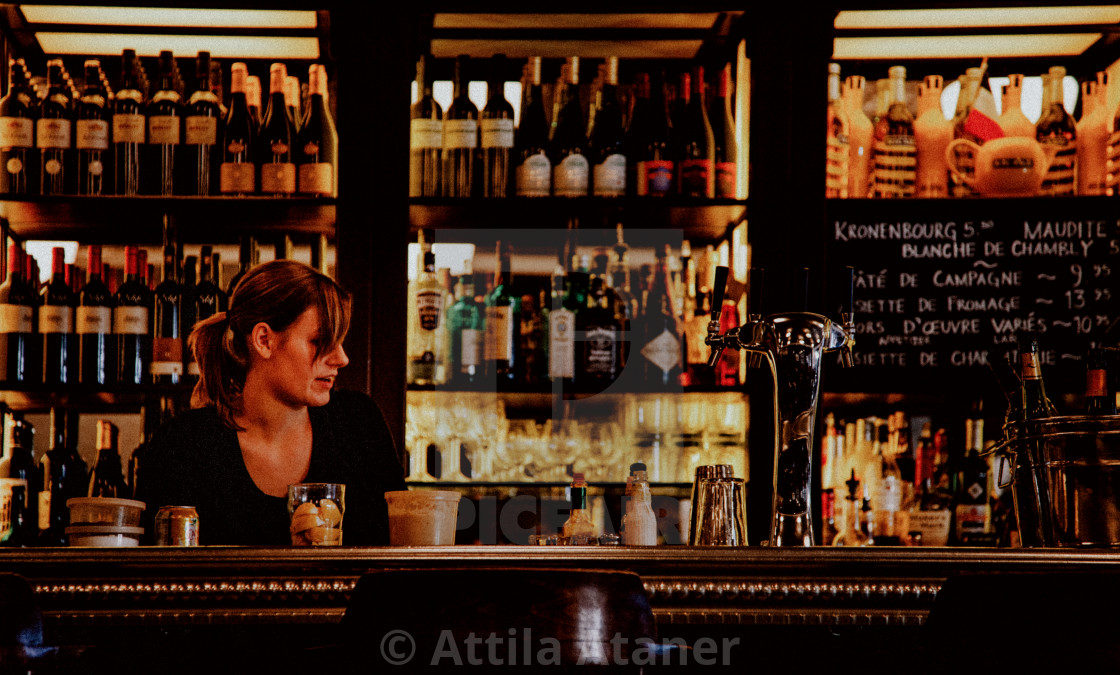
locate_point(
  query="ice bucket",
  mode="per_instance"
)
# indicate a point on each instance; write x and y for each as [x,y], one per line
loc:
[1066,480]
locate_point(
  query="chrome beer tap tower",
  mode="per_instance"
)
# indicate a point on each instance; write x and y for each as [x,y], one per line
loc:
[793,344]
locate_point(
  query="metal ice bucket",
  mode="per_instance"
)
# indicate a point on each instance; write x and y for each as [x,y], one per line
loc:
[1066,480]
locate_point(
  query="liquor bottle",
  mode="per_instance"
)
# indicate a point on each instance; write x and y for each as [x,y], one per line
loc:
[660,335]
[466,333]
[678,111]
[19,172]
[427,328]
[1013,121]
[91,137]
[852,534]
[726,372]
[238,170]
[973,514]
[964,158]
[54,135]
[165,133]
[19,441]
[639,523]
[318,139]
[579,529]
[723,129]
[218,88]
[253,99]
[59,342]
[1097,398]
[21,526]
[1036,404]
[599,340]
[97,350]
[647,141]
[130,127]
[200,162]
[1092,137]
[568,298]
[503,316]
[860,136]
[606,149]
[275,142]
[132,310]
[425,136]
[836,143]
[696,176]
[460,136]
[531,337]
[932,135]
[167,324]
[64,477]
[1056,127]
[568,143]
[496,127]
[894,155]
[17,308]
[534,169]
[106,479]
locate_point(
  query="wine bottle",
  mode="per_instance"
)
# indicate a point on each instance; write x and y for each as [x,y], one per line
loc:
[723,129]
[91,136]
[318,139]
[606,147]
[167,326]
[97,350]
[65,476]
[568,143]
[932,135]
[1056,128]
[292,102]
[696,177]
[860,136]
[425,136]
[59,343]
[893,155]
[427,327]
[1098,401]
[54,135]
[129,127]
[18,170]
[466,333]
[253,99]
[165,117]
[17,307]
[1036,404]
[106,479]
[660,334]
[460,136]
[132,309]
[21,466]
[202,113]
[496,127]
[534,169]
[238,172]
[836,144]
[650,162]
[275,141]
[503,316]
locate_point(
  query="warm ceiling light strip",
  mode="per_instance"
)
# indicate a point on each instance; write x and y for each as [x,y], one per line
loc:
[978,17]
[962,46]
[574,21]
[219,46]
[596,49]
[154,16]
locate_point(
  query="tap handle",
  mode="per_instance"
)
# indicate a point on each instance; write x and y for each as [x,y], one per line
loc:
[719,288]
[754,297]
[849,281]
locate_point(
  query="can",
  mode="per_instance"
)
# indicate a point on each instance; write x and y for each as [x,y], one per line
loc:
[177,526]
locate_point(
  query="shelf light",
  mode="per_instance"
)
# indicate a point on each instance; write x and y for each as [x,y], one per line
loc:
[962,46]
[219,46]
[164,16]
[977,17]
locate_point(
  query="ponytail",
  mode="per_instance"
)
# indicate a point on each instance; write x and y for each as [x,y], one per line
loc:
[221,365]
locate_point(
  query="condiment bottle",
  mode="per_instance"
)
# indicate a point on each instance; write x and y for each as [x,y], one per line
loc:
[639,524]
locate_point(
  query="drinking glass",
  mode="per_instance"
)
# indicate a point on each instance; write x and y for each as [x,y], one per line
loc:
[316,511]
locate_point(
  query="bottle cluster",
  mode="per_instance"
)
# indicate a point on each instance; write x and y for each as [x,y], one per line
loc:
[652,138]
[903,150]
[173,134]
[97,330]
[595,322]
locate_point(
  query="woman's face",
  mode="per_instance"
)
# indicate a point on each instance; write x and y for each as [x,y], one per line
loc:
[297,376]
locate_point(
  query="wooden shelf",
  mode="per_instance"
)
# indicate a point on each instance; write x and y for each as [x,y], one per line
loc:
[139,220]
[112,399]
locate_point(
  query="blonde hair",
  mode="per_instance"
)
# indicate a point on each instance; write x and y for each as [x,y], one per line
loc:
[276,293]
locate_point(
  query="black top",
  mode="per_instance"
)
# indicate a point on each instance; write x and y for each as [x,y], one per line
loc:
[195,460]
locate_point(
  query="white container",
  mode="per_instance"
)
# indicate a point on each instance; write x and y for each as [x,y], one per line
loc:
[105,511]
[111,536]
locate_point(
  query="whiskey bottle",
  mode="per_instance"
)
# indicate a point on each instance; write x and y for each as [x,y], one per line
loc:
[1057,128]
[894,155]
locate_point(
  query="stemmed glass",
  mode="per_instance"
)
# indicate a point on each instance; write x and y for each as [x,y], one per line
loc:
[420,419]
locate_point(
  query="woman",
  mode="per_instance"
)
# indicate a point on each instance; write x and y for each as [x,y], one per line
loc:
[264,416]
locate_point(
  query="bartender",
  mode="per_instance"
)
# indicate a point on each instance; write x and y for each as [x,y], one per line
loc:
[265,414]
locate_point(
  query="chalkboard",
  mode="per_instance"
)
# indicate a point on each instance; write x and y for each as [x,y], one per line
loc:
[944,284]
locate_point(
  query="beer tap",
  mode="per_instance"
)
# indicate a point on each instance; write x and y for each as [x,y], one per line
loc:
[792,344]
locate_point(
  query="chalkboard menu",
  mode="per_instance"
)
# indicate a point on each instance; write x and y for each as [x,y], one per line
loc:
[944,284]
